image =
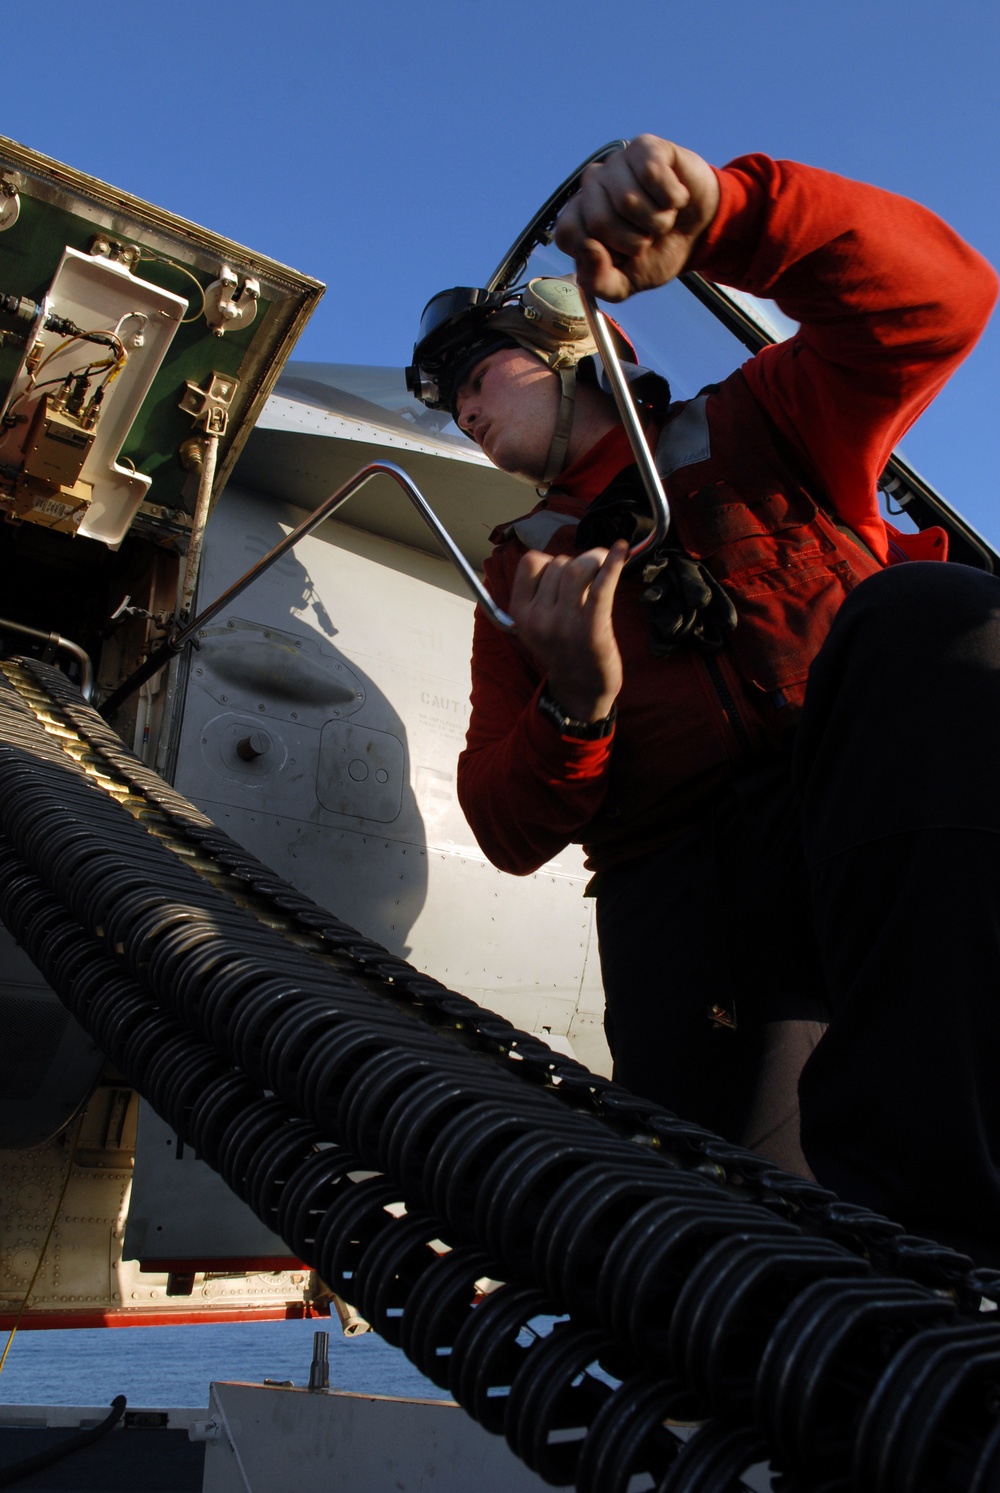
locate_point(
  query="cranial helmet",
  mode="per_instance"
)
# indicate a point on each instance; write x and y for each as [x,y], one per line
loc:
[461,327]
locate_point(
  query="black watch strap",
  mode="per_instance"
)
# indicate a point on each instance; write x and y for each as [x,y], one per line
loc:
[567,726]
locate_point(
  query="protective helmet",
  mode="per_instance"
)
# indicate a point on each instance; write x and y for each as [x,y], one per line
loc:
[460,327]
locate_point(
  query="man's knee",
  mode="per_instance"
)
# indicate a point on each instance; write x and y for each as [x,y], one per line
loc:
[923,605]
[901,724]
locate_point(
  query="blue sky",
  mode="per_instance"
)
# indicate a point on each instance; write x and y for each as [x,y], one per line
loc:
[392,149]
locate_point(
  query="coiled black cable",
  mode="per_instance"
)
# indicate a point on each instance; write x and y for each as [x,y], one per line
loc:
[408,1144]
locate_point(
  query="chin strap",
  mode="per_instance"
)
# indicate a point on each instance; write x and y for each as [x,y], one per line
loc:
[564,424]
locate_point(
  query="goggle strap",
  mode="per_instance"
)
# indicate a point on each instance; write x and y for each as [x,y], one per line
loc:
[564,424]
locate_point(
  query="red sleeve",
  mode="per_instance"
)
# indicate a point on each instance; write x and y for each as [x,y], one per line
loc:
[526,790]
[889,302]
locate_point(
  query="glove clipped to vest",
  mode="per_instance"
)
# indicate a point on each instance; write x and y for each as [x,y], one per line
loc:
[685,604]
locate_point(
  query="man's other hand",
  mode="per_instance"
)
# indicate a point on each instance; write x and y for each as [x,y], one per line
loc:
[637,216]
[562,607]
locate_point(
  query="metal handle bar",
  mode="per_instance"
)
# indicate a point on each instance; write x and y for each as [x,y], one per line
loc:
[55,640]
[177,641]
[325,511]
[633,429]
[539,230]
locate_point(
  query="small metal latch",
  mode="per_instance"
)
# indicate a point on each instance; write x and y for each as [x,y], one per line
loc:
[103,247]
[209,407]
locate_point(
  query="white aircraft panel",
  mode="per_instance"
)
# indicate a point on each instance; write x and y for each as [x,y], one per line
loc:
[324,715]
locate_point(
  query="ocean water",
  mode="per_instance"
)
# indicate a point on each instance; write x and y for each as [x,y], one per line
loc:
[170,1367]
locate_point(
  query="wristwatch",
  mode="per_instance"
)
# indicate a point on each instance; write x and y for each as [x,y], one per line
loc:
[567,726]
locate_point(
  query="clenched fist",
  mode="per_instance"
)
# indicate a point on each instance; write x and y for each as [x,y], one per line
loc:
[637,216]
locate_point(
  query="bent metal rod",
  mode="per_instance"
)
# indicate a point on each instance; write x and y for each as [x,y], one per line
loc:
[177,640]
[598,325]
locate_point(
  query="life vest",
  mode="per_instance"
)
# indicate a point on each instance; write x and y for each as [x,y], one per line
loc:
[740,509]
[783,560]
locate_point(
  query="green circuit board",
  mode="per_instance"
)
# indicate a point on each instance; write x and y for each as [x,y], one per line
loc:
[59,209]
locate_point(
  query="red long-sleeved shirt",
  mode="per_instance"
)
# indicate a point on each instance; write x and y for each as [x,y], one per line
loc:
[889,300]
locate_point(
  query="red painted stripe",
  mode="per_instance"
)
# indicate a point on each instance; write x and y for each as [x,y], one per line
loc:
[121,1317]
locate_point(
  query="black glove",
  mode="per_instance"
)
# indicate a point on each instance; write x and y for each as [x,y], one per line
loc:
[685,603]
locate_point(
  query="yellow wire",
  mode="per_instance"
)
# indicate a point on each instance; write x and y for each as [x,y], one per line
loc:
[52,352]
[33,377]
[162,259]
[48,1236]
[119,359]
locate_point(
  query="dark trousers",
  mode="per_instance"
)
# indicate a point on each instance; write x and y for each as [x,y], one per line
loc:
[815,971]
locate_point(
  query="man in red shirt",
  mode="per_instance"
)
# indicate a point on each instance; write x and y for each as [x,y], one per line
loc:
[774,864]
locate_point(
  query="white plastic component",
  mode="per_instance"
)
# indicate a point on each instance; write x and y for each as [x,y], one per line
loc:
[229,305]
[10,200]
[97,294]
